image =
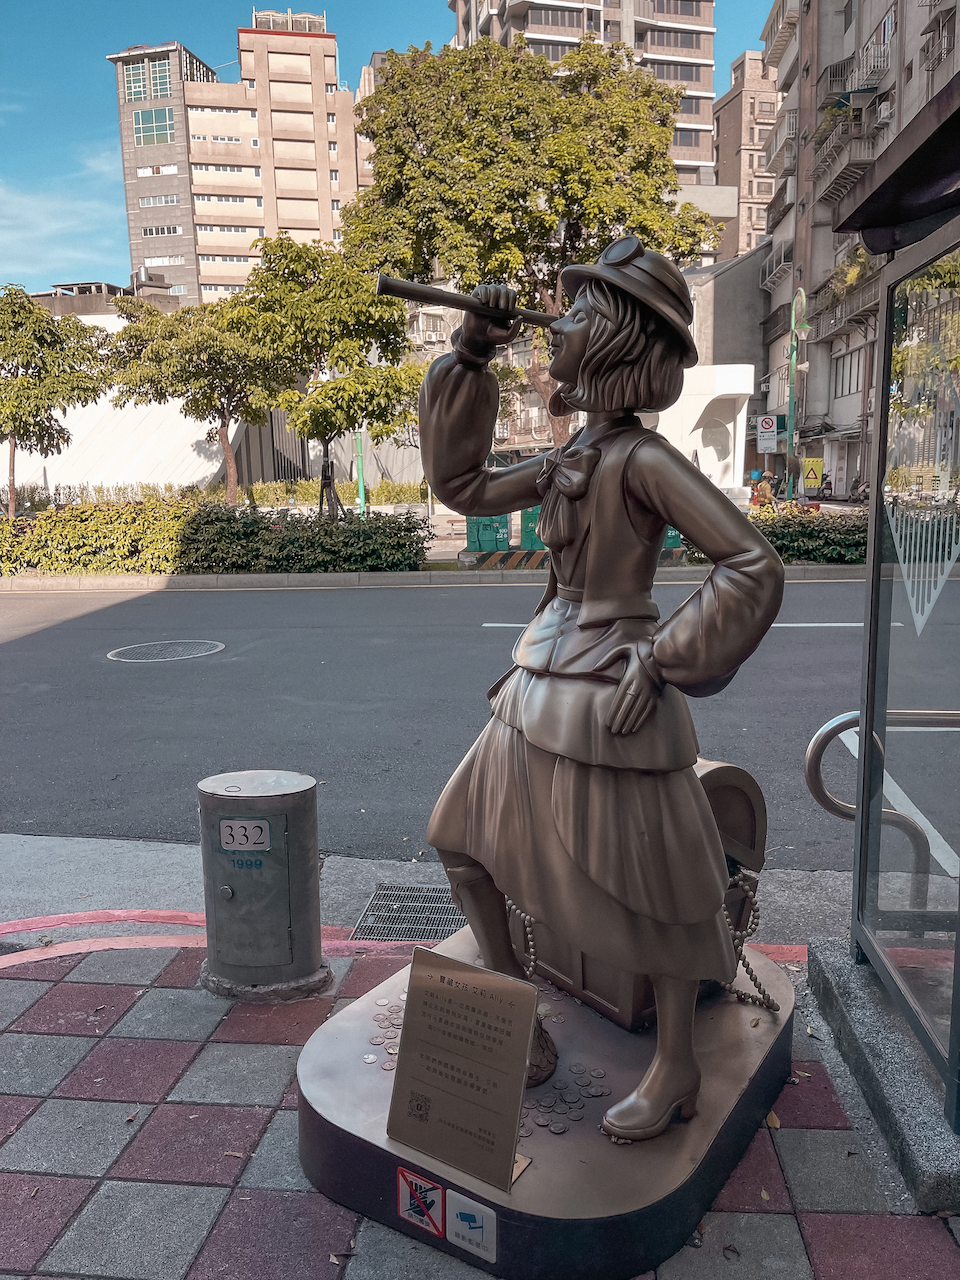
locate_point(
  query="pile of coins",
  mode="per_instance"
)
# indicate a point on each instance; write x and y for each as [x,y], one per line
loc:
[563,1103]
[389,1019]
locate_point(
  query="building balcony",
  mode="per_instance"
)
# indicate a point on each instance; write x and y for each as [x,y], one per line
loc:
[840,161]
[870,68]
[933,54]
[830,318]
[486,13]
[781,204]
[776,324]
[780,142]
[779,30]
[832,82]
[778,266]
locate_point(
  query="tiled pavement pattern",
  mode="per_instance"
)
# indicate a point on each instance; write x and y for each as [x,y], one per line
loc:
[148,1132]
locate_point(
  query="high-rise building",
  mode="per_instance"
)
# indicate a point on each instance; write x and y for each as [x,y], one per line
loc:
[743,119]
[209,167]
[673,39]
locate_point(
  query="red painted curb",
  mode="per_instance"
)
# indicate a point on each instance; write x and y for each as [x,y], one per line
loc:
[781,952]
[141,916]
[83,945]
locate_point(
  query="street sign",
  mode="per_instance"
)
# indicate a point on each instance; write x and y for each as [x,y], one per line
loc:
[767,434]
[812,473]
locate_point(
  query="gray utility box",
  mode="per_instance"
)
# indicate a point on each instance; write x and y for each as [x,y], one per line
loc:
[261,884]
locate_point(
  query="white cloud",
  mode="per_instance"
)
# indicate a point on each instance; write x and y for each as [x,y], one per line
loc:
[51,236]
[106,164]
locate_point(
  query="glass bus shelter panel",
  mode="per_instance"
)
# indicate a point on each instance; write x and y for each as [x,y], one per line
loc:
[911,887]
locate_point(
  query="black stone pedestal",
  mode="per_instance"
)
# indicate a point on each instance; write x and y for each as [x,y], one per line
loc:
[585,1208]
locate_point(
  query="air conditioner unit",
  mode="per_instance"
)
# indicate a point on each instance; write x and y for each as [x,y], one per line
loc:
[884,113]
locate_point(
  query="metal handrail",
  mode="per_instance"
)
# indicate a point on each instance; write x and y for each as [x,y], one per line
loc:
[813,775]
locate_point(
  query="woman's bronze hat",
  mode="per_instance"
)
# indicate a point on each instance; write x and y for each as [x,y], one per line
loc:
[648,276]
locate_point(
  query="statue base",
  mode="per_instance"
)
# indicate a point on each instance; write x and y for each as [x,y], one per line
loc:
[584,1207]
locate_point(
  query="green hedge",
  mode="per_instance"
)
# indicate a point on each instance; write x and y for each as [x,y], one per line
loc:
[180,536]
[801,535]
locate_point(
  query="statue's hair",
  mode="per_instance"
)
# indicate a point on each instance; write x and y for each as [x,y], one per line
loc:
[633,358]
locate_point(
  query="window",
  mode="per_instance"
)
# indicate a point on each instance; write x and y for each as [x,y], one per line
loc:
[161,231]
[908,72]
[611,30]
[206,257]
[431,324]
[335,206]
[220,111]
[767,108]
[685,138]
[168,260]
[677,39]
[203,199]
[338,234]
[259,201]
[553,52]
[231,199]
[849,9]
[231,288]
[154,170]
[688,8]
[330,88]
[254,142]
[233,257]
[227,168]
[251,84]
[153,127]
[178,288]
[764,188]
[690,106]
[675,71]
[335,175]
[253,113]
[200,168]
[331,117]
[147,201]
[332,147]
[240,231]
[198,137]
[210,288]
[749,188]
[221,137]
[762,135]
[160,77]
[256,171]
[555,18]
[135,80]
[848,373]
[204,226]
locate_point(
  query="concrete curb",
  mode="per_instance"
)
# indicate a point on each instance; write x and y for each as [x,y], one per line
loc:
[339,581]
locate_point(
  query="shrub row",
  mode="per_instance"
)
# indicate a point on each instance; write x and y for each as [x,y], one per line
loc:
[801,535]
[182,536]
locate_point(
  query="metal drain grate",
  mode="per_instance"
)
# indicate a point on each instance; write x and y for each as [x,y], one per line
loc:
[408,913]
[165,650]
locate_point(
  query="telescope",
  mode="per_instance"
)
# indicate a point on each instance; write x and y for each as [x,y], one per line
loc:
[458,301]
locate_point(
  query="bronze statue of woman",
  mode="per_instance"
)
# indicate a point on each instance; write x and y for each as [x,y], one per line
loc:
[579,802]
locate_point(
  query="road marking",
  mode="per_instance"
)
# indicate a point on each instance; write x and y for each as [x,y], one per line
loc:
[776,624]
[940,851]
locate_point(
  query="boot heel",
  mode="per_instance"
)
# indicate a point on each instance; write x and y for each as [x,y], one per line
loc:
[688,1107]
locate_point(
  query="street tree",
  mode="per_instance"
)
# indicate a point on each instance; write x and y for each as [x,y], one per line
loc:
[494,165]
[204,357]
[308,307]
[47,365]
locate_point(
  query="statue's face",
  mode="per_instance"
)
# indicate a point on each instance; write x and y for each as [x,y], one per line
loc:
[569,335]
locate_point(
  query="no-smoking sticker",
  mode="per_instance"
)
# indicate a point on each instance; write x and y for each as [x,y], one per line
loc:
[420,1201]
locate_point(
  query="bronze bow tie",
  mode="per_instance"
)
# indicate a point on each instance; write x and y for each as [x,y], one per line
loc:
[568,471]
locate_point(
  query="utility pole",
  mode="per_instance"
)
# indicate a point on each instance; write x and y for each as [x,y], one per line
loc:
[798,330]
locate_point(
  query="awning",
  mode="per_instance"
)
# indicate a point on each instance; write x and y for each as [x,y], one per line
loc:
[911,189]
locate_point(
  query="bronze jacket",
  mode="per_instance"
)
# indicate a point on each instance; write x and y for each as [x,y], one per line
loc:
[605,544]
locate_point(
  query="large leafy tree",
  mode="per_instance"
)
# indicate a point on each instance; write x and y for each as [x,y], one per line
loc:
[203,356]
[311,309]
[497,166]
[47,365]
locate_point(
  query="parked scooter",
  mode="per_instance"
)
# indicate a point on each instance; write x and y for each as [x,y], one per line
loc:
[825,491]
[859,490]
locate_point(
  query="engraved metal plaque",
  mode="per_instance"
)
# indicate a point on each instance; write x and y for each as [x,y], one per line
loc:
[462,1067]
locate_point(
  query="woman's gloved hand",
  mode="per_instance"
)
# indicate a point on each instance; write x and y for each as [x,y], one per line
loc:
[640,686]
[480,335]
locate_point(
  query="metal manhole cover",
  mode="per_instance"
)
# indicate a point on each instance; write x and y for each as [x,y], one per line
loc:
[408,913]
[165,650]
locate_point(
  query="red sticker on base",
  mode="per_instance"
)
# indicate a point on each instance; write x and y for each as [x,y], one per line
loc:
[420,1201]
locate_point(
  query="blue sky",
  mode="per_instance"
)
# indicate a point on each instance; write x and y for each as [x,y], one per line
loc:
[61,191]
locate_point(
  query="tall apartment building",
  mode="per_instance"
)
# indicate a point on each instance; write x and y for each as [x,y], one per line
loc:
[209,167]
[742,120]
[851,78]
[673,39]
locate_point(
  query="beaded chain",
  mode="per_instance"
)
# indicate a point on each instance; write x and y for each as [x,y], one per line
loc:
[739,936]
[531,948]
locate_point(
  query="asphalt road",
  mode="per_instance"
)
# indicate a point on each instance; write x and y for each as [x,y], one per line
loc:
[376,692]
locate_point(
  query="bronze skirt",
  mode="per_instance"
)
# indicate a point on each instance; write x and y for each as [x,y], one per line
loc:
[626,864]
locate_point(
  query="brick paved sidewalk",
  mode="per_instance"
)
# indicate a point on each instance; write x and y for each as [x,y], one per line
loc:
[148,1132]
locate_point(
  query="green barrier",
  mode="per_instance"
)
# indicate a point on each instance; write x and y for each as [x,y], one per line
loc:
[488,533]
[529,541]
[673,541]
